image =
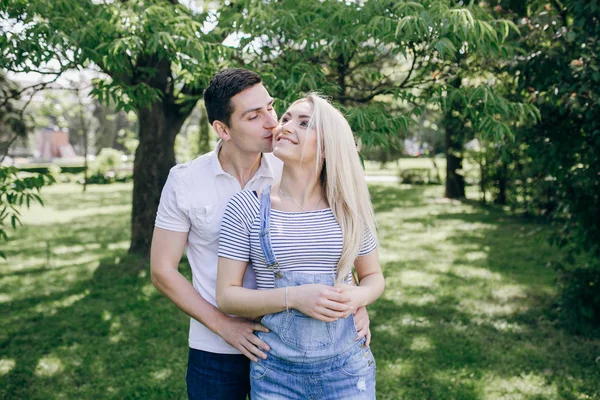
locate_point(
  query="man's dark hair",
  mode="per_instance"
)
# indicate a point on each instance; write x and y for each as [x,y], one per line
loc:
[222,87]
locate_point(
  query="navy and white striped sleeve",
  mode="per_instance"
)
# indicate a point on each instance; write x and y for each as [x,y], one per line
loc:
[234,242]
[368,243]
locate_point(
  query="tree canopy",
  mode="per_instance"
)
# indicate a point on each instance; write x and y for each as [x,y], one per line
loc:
[383,61]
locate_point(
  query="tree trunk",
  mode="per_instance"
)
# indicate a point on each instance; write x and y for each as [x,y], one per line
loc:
[154,157]
[482,177]
[455,182]
[204,139]
[454,139]
[501,180]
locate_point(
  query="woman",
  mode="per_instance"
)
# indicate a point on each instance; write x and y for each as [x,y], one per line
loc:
[302,237]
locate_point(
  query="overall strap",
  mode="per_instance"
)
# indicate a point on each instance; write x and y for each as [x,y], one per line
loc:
[265,234]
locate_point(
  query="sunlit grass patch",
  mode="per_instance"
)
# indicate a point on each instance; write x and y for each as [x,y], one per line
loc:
[525,386]
[6,365]
[49,366]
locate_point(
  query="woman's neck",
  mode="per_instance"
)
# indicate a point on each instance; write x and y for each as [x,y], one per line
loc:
[300,185]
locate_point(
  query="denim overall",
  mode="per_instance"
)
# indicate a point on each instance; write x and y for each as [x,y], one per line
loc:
[309,359]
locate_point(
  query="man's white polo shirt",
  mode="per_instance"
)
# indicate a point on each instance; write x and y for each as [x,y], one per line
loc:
[193,200]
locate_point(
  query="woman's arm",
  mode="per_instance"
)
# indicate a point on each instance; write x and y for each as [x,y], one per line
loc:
[371,281]
[322,302]
[234,299]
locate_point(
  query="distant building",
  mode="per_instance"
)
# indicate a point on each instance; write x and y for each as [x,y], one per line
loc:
[54,143]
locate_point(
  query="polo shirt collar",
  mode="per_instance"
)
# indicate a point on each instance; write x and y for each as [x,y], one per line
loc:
[265,170]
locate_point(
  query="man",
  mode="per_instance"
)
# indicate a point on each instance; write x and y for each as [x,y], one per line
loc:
[191,208]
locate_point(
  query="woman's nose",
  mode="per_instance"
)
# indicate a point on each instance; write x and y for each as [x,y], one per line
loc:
[286,127]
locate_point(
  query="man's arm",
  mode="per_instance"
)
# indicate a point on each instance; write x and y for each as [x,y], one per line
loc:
[167,248]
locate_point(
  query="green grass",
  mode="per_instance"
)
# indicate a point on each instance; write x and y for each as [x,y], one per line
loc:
[471,171]
[467,311]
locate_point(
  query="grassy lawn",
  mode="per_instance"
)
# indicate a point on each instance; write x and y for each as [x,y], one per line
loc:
[373,168]
[465,314]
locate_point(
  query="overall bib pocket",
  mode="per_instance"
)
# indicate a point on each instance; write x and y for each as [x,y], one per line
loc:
[305,333]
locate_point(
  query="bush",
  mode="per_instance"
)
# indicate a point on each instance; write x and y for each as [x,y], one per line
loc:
[580,293]
[108,168]
[54,171]
[418,176]
[109,177]
[18,190]
[108,160]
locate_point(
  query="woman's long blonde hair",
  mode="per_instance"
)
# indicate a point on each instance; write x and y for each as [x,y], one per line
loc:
[342,178]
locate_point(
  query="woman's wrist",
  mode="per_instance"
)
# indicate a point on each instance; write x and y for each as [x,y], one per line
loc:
[363,296]
[290,297]
[370,289]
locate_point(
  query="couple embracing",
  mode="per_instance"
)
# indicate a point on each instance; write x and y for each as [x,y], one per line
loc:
[274,220]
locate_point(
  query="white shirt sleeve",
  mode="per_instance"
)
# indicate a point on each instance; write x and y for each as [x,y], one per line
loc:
[170,216]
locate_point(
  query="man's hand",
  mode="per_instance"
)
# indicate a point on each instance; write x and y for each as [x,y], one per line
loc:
[363,324]
[239,332]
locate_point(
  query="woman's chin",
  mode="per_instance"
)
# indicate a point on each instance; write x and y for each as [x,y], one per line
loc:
[280,153]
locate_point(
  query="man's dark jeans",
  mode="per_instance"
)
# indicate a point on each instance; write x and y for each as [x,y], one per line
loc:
[212,376]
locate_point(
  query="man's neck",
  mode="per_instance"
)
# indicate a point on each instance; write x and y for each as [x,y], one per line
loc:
[241,165]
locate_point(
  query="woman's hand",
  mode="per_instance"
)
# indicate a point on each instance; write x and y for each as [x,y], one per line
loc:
[353,294]
[321,302]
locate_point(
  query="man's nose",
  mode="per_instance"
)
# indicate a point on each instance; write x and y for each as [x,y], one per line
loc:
[271,121]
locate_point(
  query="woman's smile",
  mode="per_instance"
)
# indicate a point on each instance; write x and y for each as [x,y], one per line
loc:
[283,139]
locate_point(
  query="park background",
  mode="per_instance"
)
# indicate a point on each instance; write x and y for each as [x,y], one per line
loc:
[478,122]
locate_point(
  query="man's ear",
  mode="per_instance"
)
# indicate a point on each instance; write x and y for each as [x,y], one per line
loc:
[222,130]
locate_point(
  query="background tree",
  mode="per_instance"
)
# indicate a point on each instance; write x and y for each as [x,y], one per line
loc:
[17,190]
[12,120]
[554,166]
[156,58]
[115,129]
[195,137]
[384,62]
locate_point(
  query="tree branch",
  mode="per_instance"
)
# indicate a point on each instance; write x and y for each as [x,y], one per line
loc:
[562,10]
[29,70]
[4,151]
[412,67]
[36,88]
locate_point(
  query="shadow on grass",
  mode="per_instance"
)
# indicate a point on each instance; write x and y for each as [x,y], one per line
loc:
[467,312]
[80,317]
[387,197]
[101,338]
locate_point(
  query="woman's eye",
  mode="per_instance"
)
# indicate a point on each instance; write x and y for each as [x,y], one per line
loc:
[304,124]
[284,120]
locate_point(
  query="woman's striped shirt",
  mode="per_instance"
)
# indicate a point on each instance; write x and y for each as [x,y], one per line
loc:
[308,241]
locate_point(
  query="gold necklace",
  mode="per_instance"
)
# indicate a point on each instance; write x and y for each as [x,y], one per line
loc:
[292,200]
